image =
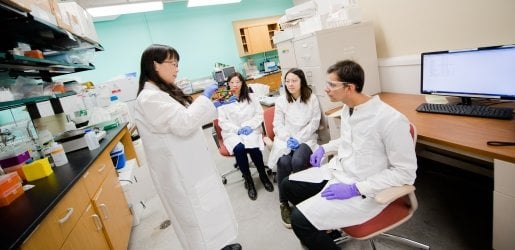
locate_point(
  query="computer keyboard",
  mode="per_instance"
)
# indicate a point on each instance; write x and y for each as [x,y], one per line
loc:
[467,110]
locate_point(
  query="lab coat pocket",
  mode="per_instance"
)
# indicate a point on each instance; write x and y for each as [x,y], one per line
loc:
[209,193]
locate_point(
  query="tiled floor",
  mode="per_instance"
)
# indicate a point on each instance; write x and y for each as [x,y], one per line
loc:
[446,219]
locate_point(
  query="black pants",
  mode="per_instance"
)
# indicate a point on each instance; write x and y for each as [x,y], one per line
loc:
[240,152]
[296,161]
[309,235]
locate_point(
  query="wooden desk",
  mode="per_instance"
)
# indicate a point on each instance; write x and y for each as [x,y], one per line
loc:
[468,136]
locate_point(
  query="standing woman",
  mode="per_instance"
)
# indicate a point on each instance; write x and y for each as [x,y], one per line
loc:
[240,122]
[296,121]
[180,163]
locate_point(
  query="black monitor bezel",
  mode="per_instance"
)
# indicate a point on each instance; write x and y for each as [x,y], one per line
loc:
[463,94]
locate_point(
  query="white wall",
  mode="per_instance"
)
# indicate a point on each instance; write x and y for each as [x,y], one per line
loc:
[400,74]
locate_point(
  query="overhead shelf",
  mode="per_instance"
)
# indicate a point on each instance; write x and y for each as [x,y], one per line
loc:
[35,99]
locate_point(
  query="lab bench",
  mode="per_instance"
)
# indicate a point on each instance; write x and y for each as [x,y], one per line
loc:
[84,188]
[272,79]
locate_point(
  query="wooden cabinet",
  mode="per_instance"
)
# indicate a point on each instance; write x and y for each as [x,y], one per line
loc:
[94,214]
[111,206]
[272,80]
[88,233]
[58,224]
[255,35]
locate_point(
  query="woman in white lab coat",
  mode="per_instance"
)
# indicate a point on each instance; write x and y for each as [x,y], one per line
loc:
[296,121]
[180,164]
[241,130]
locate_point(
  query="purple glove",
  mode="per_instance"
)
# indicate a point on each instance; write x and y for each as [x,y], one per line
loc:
[316,157]
[210,90]
[245,130]
[340,191]
[292,143]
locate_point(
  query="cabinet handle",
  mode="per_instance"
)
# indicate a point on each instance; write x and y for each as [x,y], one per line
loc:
[102,168]
[105,210]
[97,221]
[67,216]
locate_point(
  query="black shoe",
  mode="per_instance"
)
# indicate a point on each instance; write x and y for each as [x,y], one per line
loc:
[235,246]
[268,185]
[251,190]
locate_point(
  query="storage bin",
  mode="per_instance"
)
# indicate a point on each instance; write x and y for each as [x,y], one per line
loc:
[118,156]
[15,158]
[37,169]
[8,181]
[10,195]
[18,169]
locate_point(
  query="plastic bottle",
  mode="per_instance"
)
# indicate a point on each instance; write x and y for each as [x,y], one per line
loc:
[91,139]
[119,110]
[58,154]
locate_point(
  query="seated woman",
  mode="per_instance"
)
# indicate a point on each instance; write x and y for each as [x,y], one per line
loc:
[240,122]
[296,121]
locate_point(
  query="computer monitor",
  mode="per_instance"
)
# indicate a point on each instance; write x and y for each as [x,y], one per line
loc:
[228,71]
[487,72]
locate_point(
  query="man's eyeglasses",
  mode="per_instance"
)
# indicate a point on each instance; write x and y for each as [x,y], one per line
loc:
[173,63]
[333,85]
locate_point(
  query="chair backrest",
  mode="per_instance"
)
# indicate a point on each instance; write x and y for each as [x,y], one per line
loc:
[217,136]
[268,121]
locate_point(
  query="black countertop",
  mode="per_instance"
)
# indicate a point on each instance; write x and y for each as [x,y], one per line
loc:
[24,214]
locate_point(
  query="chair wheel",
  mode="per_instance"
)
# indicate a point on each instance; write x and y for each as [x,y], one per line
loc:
[224,180]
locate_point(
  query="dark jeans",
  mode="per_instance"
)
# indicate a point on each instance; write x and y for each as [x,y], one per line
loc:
[240,152]
[295,161]
[309,235]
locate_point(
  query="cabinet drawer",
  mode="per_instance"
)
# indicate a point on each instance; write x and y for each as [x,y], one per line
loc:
[306,52]
[56,226]
[96,174]
[286,54]
[88,233]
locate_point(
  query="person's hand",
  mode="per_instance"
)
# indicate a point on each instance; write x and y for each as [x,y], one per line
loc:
[245,130]
[340,191]
[210,90]
[222,102]
[316,157]
[292,143]
[231,99]
[217,103]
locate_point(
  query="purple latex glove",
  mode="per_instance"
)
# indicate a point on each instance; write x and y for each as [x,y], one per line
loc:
[292,143]
[210,90]
[316,157]
[245,130]
[340,191]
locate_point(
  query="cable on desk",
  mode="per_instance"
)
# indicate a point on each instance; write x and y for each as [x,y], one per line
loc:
[500,143]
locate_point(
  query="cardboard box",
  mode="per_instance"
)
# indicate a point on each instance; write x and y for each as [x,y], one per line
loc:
[38,8]
[61,16]
[81,21]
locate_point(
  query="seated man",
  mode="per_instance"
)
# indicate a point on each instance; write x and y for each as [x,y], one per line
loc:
[375,151]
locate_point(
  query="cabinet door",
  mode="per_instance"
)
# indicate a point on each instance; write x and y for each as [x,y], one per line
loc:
[88,233]
[306,52]
[274,81]
[258,39]
[56,226]
[286,53]
[96,174]
[112,207]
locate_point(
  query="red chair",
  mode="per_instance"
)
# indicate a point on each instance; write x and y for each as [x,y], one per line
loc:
[402,205]
[217,136]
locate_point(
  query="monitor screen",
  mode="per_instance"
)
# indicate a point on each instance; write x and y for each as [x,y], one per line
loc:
[227,71]
[483,72]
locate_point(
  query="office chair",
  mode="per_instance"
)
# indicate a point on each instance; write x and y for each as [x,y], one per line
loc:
[217,136]
[402,204]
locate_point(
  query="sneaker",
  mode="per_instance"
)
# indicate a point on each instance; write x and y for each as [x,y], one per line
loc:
[234,246]
[285,214]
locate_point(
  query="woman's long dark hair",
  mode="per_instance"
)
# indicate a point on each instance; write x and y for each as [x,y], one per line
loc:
[244,91]
[158,53]
[305,90]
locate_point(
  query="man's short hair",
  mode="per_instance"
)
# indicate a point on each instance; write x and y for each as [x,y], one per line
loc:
[349,71]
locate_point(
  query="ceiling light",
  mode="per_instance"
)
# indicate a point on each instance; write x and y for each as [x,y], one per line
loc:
[120,9]
[197,3]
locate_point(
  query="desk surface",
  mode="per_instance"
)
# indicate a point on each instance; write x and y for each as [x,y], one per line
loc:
[469,134]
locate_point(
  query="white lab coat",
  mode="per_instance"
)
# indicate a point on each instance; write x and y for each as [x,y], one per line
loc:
[183,170]
[375,151]
[296,119]
[236,115]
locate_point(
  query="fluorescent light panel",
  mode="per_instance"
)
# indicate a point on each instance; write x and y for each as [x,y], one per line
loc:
[197,3]
[121,9]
